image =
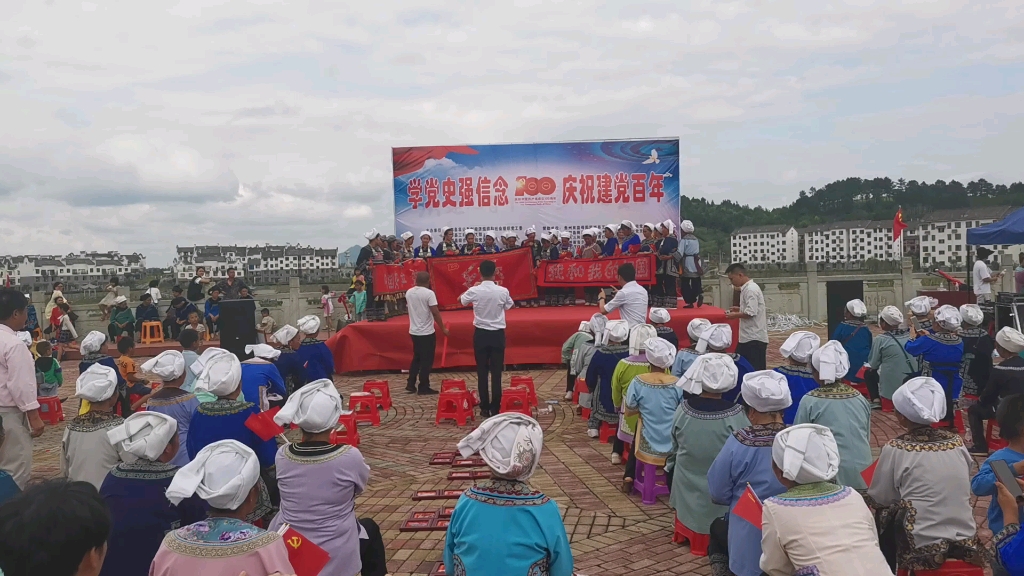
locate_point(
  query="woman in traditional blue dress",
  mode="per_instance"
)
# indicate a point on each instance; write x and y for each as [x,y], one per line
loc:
[424,250]
[687,355]
[746,460]
[611,348]
[134,493]
[629,237]
[798,349]
[941,354]
[718,338]
[170,399]
[289,363]
[315,355]
[503,526]
[260,377]
[855,336]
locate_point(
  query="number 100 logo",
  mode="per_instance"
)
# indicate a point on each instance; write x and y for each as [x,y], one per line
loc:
[530,186]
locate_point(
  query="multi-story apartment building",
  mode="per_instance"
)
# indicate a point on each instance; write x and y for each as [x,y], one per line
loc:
[765,244]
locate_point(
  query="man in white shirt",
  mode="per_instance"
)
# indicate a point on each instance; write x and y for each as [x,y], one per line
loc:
[18,405]
[983,277]
[753,340]
[423,313]
[489,304]
[630,301]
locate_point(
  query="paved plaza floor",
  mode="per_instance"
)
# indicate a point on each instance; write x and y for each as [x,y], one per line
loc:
[611,533]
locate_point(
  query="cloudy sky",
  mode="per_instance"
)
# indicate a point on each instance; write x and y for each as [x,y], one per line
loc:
[138,125]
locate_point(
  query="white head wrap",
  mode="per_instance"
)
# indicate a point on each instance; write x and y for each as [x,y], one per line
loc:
[371,234]
[222,474]
[948,317]
[97,383]
[649,226]
[696,327]
[265,351]
[120,300]
[1011,339]
[531,230]
[309,325]
[590,232]
[221,374]
[599,324]
[711,372]
[919,305]
[806,453]
[145,434]
[669,226]
[92,342]
[406,235]
[612,227]
[492,234]
[800,345]
[831,361]
[891,315]
[660,352]
[933,302]
[616,331]
[166,365]
[585,327]
[25,337]
[857,308]
[285,334]
[717,337]
[921,400]
[315,407]
[766,391]
[660,316]
[469,231]
[972,314]
[445,230]
[512,234]
[427,234]
[638,335]
[629,224]
[565,234]
[509,443]
[686,226]
[206,356]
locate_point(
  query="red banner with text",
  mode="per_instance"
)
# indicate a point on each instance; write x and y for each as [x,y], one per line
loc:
[396,278]
[450,277]
[599,272]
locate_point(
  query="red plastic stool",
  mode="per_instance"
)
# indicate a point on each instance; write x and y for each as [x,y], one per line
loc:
[887,405]
[374,386]
[949,568]
[526,381]
[698,542]
[364,405]
[447,385]
[607,432]
[627,448]
[994,443]
[516,400]
[859,387]
[350,436]
[454,405]
[585,413]
[50,409]
[580,386]
[958,421]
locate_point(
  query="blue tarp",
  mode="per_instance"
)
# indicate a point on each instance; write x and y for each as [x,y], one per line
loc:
[1009,230]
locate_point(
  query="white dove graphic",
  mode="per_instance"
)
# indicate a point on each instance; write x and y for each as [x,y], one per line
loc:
[653,159]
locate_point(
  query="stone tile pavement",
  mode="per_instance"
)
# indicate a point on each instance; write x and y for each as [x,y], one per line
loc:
[611,533]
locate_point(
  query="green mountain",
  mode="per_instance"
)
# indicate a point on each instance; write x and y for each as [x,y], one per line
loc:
[849,199]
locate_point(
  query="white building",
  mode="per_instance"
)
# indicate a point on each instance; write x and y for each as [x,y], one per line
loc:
[847,242]
[259,264]
[95,268]
[765,244]
[942,235]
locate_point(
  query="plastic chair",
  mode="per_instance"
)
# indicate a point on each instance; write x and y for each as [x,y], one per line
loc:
[454,404]
[607,433]
[375,386]
[350,434]
[447,385]
[151,332]
[365,407]
[994,443]
[50,409]
[887,405]
[578,387]
[649,483]
[527,382]
[698,542]
[516,400]
[949,568]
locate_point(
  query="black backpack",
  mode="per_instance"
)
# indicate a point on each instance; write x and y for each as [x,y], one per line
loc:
[195,290]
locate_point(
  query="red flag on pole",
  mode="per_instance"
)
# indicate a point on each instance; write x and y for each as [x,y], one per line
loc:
[306,558]
[869,473]
[897,224]
[749,507]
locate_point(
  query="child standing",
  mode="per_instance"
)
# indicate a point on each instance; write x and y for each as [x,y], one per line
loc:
[66,333]
[126,366]
[267,325]
[49,376]
[327,303]
[154,291]
[189,341]
[359,299]
[194,324]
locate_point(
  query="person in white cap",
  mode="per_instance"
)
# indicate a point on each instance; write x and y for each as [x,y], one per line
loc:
[611,348]
[490,245]
[315,355]
[261,380]
[628,237]
[134,493]
[19,407]
[693,266]
[746,459]
[919,308]
[687,355]
[171,400]
[424,250]
[85,452]
[1005,379]
[470,246]
[319,482]
[701,427]
[407,241]
[94,351]
[479,540]
[921,487]
[797,350]
[855,336]
[122,321]
[581,360]
[447,246]
[718,338]
[660,319]
[226,475]
[751,312]
[570,349]
[588,251]
[667,274]
[565,247]
[941,354]
[842,408]
[650,238]
[977,360]
[650,402]
[289,363]
[817,524]
[889,362]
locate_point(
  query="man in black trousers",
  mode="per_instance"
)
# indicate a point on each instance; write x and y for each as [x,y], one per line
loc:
[489,304]
[423,315]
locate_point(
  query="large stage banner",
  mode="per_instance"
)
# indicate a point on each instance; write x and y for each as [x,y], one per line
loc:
[450,277]
[600,272]
[396,278]
[568,186]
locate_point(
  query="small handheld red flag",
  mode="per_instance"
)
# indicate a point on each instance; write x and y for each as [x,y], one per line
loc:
[869,473]
[749,507]
[263,424]
[306,558]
